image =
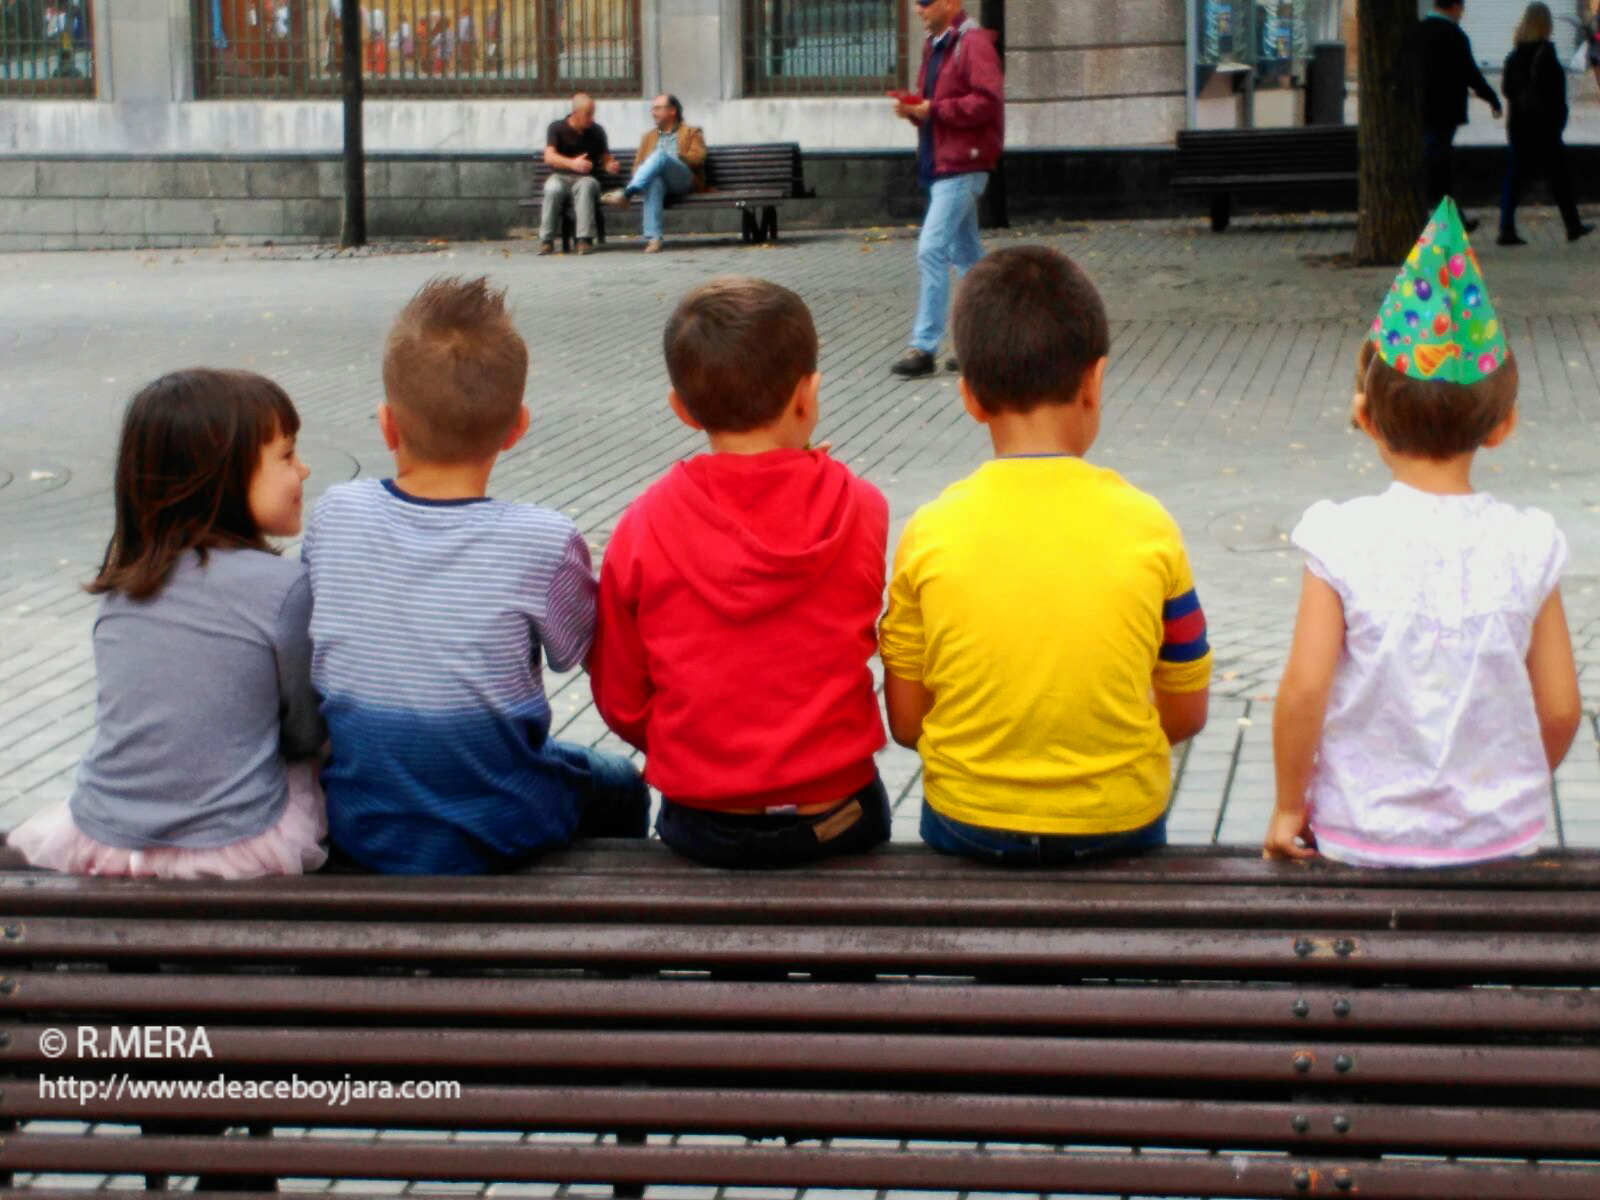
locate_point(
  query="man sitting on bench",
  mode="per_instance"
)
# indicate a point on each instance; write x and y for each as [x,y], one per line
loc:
[671,162]
[575,147]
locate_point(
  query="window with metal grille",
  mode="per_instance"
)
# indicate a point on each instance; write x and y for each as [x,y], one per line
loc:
[826,47]
[428,48]
[46,48]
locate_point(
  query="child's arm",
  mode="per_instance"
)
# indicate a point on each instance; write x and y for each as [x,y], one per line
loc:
[1302,704]
[1554,676]
[907,703]
[1183,714]
[619,668]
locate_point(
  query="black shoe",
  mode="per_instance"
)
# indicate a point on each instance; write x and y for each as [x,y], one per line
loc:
[1579,231]
[585,245]
[1510,239]
[1470,224]
[952,364]
[914,364]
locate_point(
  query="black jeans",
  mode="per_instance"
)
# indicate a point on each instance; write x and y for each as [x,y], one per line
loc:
[1438,148]
[1526,160]
[738,840]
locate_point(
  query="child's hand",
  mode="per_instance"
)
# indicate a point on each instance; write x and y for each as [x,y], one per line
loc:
[1285,833]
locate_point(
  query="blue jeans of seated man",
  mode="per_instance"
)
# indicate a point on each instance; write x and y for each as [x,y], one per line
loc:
[949,239]
[949,836]
[657,178]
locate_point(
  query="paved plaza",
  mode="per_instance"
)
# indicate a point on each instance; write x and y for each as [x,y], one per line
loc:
[1228,398]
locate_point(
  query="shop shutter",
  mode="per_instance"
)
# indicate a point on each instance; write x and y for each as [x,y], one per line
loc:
[1490,24]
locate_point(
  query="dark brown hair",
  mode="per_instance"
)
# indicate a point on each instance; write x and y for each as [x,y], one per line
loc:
[1028,326]
[191,444]
[454,370]
[1364,357]
[736,350]
[1428,418]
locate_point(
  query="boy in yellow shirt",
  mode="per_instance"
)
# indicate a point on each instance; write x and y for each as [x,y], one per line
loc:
[1043,645]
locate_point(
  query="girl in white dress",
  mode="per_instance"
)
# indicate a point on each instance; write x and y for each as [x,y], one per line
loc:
[1431,689]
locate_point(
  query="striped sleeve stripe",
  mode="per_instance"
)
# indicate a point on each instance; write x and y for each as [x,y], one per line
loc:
[1184,630]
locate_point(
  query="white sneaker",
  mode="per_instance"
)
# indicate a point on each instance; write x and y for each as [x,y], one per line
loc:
[615,198]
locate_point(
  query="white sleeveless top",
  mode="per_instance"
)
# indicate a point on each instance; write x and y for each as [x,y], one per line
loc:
[1431,752]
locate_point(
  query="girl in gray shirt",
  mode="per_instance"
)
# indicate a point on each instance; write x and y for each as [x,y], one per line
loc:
[202,765]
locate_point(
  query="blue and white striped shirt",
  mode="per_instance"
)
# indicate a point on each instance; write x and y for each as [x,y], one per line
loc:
[429,622]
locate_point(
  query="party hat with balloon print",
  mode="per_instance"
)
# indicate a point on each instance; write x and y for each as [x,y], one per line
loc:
[1437,321]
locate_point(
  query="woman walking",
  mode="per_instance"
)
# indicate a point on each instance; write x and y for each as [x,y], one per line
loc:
[1536,86]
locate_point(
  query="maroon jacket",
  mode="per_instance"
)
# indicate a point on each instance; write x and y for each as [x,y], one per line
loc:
[969,105]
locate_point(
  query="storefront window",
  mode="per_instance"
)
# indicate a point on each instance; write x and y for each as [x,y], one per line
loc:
[1250,59]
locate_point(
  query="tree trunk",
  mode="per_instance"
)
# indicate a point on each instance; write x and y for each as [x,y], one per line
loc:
[354,230]
[992,209]
[1392,212]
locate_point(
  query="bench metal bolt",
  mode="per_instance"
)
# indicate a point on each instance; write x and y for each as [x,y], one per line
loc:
[1303,946]
[1343,1180]
[1302,1008]
[13,930]
[1301,1123]
[1301,1180]
[1341,1008]
[1343,1063]
[7,986]
[5,1039]
[1302,1063]
[1344,947]
[1341,1124]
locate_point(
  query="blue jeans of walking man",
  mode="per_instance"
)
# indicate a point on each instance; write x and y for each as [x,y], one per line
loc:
[949,239]
[657,178]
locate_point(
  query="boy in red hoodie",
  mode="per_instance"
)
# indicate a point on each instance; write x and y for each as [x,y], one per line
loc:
[738,602]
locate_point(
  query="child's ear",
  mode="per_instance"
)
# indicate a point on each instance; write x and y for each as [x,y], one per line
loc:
[1361,417]
[974,410]
[520,428]
[1092,390]
[681,411]
[389,427]
[804,401]
[1501,432]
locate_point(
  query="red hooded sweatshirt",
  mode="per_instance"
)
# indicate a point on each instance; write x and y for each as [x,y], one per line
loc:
[739,599]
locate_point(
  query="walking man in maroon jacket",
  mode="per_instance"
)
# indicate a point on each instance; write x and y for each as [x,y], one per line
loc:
[960,122]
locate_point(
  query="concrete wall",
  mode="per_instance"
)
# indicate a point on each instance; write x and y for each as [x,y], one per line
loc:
[1095,74]
[1081,73]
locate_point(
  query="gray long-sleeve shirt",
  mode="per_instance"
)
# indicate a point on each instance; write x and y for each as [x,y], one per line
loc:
[203,692]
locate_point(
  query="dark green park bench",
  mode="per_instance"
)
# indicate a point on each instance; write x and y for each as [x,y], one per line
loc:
[1191,1024]
[754,179]
[1317,165]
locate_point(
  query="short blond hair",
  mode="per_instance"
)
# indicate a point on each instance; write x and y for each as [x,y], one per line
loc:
[454,370]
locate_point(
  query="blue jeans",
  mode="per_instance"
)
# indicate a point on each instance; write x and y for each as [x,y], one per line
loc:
[949,239]
[949,836]
[657,178]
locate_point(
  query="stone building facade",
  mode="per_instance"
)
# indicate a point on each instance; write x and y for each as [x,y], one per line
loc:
[154,152]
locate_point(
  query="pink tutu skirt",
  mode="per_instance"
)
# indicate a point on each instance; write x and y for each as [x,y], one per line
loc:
[293,846]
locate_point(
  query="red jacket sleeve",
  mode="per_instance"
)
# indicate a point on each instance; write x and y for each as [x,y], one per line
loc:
[619,669]
[981,101]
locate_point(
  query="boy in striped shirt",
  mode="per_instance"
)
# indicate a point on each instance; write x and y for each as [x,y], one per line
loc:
[1043,646]
[433,608]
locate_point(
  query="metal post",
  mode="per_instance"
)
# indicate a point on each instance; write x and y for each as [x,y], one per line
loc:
[1190,56]
[993,208]
[354,230]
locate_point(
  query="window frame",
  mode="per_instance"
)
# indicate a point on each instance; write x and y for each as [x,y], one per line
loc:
[755,83]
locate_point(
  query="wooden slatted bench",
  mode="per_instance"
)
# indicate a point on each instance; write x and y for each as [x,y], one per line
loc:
[1318,162]
[1192,1024]
[754,179]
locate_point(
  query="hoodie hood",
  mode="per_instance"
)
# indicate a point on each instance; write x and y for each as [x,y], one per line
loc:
[751,533]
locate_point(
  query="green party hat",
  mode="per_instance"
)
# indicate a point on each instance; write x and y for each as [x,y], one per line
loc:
[1437,321]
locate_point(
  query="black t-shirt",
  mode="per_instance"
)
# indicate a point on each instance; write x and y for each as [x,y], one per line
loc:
[570,143]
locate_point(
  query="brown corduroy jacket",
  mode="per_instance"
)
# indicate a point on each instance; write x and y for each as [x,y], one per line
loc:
[691,149]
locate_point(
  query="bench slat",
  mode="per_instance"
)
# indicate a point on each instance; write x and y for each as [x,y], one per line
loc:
[997,1060]
[1019,900]
[1009,1118]
[1148,953]
[1194,1174]
[1539,1012]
